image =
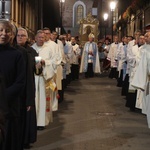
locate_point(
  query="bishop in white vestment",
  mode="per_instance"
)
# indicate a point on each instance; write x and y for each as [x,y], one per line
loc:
[90,58]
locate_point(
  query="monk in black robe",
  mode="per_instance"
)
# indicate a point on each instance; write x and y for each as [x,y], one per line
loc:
[30,136]
[12,68]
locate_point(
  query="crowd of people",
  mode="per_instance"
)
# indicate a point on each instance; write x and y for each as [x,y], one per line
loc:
[33,76]
[129,64]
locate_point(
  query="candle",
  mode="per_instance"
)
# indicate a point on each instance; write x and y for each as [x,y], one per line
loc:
[38,59]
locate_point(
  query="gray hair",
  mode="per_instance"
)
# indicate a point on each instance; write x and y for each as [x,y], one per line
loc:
[39,31]
[23,29]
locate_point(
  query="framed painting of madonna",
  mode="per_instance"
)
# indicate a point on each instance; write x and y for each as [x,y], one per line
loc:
[88,25]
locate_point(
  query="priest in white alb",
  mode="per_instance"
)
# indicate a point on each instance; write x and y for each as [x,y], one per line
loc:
[141,78]
[55,57]
[112,58]
[40,80]
[49,69]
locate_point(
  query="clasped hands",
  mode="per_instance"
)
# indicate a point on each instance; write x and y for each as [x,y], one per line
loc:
[40,64]
[90,53]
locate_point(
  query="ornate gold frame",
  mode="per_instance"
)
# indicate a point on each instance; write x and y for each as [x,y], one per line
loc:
[88,25]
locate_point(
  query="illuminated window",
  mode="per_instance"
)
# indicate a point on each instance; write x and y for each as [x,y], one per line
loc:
[79,11]
[79,14]
[115,16]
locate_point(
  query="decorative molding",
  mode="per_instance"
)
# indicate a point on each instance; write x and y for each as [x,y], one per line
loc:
[89,19]
[88,25]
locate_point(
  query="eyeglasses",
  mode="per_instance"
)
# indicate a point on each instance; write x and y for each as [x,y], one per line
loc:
[47,33]
[22,35]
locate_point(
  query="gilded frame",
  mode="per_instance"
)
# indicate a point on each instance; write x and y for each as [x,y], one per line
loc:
[88,25]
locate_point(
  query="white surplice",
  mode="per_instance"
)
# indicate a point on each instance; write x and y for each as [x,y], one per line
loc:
[113,54]
[40,98]
[56,57]
[129,55]
[76,54]
[60,58]
[68,51]
[142,78]
[121,58]
[132,65]
[140,93]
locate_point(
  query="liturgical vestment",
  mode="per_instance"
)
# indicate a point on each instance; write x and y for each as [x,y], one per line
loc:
[85,57]
[141,79]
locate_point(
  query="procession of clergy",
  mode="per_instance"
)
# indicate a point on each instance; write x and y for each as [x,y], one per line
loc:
[130,65]
[59,59]
[33,77]
[40,74]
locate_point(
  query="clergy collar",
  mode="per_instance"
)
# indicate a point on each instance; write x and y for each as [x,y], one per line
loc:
[39,46]
[73,44]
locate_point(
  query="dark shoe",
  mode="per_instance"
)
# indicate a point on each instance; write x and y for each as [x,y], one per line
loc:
[132,109]
[40,128]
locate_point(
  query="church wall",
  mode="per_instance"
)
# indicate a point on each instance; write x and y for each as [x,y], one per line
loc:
[67,19]
[68,11]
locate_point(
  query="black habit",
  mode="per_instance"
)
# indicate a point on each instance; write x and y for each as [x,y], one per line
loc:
[12,69]
[30,135]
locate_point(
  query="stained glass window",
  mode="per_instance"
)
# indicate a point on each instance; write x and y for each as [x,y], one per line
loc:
[79,14]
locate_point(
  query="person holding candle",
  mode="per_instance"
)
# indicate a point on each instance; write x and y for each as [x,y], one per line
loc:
[42,95]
